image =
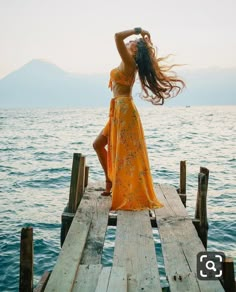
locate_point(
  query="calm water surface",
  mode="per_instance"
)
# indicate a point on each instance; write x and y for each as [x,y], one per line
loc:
[36,150]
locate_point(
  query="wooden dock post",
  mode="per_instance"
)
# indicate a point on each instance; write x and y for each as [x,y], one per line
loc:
[74,183]
[200,221]
[86,176]
[80,182]
[182,183]
[77,186]
[203,209]
[66,220]
[228,275]
[26,260]
[205,171]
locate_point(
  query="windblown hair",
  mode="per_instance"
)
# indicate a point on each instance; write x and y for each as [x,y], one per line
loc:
[156,83]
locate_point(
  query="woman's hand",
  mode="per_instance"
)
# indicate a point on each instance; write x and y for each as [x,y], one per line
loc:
[146,36]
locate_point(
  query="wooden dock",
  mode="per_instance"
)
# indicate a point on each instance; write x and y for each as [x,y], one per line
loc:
[135,263]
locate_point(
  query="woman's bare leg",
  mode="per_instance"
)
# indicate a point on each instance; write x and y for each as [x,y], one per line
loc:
[99,146]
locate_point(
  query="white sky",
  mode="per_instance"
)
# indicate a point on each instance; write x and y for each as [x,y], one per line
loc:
[77,35]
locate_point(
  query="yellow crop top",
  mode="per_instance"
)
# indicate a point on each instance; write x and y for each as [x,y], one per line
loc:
[119,77]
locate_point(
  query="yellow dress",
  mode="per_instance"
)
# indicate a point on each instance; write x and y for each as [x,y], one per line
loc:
[128,165]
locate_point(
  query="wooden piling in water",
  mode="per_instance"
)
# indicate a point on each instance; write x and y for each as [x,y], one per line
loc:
[26,260]
[86,176]
[228,275]
[200,221]
[205,171]
[74,183]
[77,187]
[66,220]
[80,182]
[182,182]
[203,209]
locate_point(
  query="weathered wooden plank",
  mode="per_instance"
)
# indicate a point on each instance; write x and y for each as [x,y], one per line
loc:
[42,283]
[103,280]
[112,279]
[173,200]
[173,207]
[118,280]
[135,251]
[191,247]
[180,246]
[65,270]
[94,245]
[179,275]
[165,211]
[87,278]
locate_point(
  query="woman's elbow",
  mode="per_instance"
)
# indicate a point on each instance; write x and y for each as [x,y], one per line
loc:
[117,35]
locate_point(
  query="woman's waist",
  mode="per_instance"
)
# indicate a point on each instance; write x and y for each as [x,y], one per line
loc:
[115,97]
[121,90]
[118,100]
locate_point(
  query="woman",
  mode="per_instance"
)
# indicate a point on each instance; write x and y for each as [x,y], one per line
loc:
[125,162]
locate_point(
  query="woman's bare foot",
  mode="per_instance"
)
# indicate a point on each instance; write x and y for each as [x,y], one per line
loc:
[107,191]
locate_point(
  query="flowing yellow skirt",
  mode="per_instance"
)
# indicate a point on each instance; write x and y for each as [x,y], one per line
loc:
[128,165]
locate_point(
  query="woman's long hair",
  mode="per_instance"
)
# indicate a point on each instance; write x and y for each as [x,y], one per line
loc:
[156,83]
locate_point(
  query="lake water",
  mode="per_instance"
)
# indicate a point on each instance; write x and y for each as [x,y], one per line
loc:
[36,150]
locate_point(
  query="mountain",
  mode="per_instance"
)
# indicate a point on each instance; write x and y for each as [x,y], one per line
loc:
[209,86]
[42,84]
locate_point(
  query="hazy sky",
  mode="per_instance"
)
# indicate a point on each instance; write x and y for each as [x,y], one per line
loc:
[78,35]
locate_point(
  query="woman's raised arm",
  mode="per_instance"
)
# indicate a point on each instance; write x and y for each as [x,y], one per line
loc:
[121,47]
[126,57]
